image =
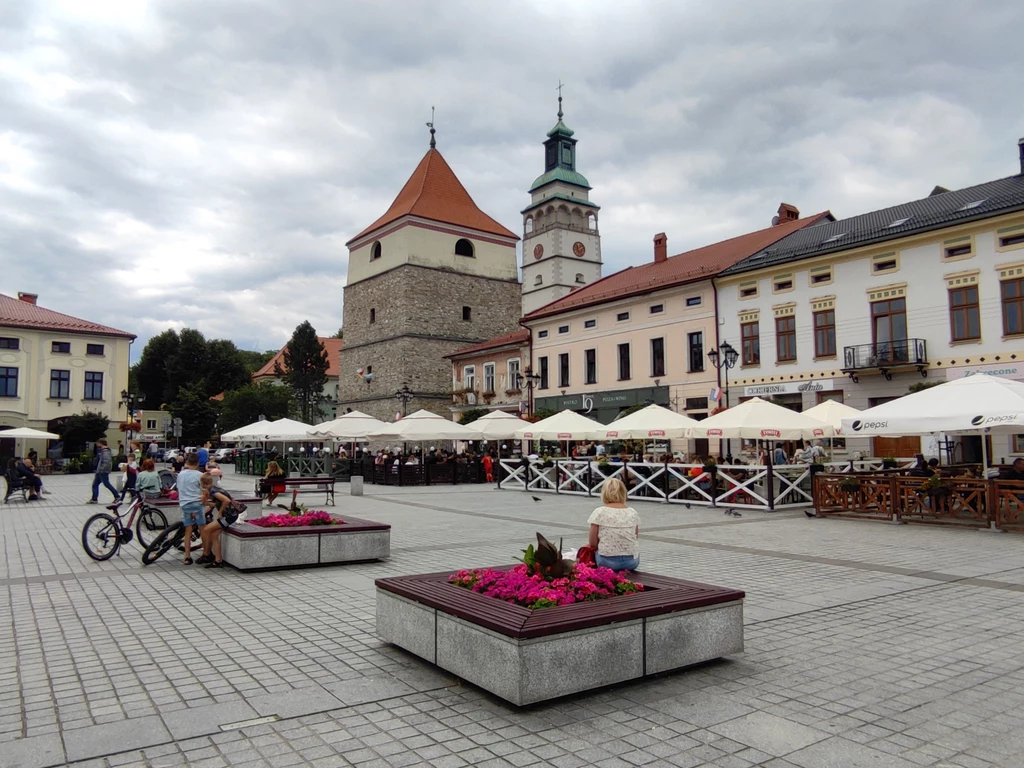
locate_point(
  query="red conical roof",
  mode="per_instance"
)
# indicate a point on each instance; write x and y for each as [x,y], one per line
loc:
[434,192]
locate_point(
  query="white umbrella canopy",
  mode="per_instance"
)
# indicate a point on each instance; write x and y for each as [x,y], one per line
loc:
[249,431]
[566,425]
[970,404]
[284,429]
[832,412]
[424,425]
[27,433]
[654,421]
[499,425]
[757,419]
[354,425]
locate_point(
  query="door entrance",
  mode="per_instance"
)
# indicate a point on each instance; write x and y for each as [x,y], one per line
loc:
[897,447]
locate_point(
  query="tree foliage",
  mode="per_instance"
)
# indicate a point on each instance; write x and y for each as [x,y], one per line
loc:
[305,371]
[922,385]
[245,405]
[197,413]
[253,360]
[151,370]
[472,415]
[80,428]
[173,360]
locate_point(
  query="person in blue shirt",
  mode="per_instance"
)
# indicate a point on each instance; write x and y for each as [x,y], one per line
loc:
[190,499]
[204,456]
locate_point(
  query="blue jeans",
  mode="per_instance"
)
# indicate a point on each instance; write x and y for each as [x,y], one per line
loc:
[104,478]
[618,562]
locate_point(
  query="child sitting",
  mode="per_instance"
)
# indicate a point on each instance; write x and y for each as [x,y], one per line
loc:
[216,497]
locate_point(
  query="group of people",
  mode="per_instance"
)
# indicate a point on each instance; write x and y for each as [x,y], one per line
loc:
[25,469]
[198,492]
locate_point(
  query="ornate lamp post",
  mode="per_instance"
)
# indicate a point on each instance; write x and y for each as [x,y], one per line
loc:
[128,400]
[724,358]
[530,380]
[404,395]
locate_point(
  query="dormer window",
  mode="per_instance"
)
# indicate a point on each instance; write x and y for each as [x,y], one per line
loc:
[464,247]
[375,251]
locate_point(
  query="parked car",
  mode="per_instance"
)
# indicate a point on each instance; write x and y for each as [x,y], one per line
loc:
[224,454]
[170,454]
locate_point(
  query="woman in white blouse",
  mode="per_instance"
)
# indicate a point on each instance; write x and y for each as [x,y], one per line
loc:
[614,529]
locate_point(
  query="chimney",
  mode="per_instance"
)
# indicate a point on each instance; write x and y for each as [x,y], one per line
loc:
[28,298]
[660,247]
[787,212]
[1020,146]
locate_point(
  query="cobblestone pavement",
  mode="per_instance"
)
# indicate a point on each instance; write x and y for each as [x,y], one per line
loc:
[866,645]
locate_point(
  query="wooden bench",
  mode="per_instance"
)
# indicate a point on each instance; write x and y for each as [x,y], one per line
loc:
[321,484]
[16,483]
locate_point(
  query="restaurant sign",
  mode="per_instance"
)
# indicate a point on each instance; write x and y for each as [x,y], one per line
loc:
[788,388]
[1013,371]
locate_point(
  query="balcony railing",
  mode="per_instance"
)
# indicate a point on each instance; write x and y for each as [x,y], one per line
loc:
[886,355]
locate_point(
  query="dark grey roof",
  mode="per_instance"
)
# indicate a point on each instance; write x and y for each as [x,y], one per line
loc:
[934,212]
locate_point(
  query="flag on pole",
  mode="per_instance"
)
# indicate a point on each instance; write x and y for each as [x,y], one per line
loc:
[716,394]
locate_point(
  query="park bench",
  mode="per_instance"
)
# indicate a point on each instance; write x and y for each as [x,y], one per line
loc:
[322,484]
[15,483]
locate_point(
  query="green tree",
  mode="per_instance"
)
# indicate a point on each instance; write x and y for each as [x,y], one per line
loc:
[254,360]
[151,370]
[340,334]
[197,413]
[226,369]
[543,413]
[305,371]
[188,366]
[472,415]
[80,428]
[245,405]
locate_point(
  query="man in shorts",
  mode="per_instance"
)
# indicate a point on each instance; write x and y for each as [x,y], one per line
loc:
[190,499]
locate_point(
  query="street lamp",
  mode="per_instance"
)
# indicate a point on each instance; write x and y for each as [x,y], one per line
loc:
[128,400]
[724,357]
[405,395]
[530,379]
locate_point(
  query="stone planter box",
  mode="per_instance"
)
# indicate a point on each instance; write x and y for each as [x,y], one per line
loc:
[249,547]
[526,656]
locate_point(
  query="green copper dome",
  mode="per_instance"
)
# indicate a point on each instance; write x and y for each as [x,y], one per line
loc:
[560,129]
[560,174]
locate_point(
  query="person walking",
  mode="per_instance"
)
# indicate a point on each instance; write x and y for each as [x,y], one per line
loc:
[104,463]
[204,456]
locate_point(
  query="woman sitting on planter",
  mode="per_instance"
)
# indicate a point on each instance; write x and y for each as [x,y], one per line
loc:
[614,528]
[272,481]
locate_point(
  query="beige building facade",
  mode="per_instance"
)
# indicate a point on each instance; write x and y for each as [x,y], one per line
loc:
[491,375]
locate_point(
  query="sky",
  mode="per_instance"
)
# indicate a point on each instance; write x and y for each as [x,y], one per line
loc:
[201,163]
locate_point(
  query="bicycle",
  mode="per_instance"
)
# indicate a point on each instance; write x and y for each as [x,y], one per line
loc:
[172,536]
[103,534]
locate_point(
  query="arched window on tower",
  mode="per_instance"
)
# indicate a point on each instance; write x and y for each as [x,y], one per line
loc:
[538,280]
[375,251]
[529,224]
[464,248]
[592,222]
[579,278]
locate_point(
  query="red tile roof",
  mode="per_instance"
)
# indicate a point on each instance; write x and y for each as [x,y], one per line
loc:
[434,192]
[332,345]
[516,338]
[15,313]
[698,264]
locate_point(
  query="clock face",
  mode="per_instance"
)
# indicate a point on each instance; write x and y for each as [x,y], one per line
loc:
[538,251]
[579,249]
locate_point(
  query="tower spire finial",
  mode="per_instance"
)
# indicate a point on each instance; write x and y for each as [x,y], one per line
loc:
[430,125]
[560,86]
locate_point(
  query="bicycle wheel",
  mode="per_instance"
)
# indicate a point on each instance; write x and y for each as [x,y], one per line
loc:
[101,536]
[168,537]
[151,521]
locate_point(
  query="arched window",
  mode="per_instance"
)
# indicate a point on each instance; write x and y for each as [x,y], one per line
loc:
[464,248]
[375,252]
[592,221]
[579,277]
[529,224]
[538,280]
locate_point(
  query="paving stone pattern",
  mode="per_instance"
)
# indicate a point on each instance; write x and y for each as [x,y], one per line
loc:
[867,644]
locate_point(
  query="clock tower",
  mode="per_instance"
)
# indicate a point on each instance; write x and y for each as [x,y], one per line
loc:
[561,243]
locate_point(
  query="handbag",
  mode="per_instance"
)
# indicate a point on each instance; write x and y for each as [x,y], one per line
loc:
[585,555]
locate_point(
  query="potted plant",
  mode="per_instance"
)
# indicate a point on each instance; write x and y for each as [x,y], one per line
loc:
[888,462]
[936,486]
[849,485]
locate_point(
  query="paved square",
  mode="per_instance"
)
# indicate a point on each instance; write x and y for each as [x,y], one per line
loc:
[867,645]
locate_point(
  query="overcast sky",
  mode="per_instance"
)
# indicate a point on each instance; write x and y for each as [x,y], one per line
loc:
[202,162]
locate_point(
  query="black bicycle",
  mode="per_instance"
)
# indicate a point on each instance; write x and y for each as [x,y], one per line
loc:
[172,537]
[103,534]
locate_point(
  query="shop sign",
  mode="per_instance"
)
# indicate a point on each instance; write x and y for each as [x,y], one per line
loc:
[789,388]
[1013,371]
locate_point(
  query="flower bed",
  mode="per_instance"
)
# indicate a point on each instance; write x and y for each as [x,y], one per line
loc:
[531,590]
[296,521]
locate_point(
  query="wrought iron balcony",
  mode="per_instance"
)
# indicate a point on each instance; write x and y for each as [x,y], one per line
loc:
[884,356]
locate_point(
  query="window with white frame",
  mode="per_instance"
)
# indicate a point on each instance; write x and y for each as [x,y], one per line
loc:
[488,377]
[513,373]
[469,377]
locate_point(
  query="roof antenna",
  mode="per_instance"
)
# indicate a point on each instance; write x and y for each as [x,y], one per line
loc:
[559,89]
[430,125]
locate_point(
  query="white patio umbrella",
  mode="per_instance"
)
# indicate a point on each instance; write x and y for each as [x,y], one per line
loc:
[284,430]
[354,425]
[651,422]
[424,425]
[971,405]
[832,412]
[499,425]
[27,433]
[248,432]
[757,419]
[566,425]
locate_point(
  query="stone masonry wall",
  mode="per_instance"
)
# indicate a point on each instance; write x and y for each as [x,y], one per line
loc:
[418,320]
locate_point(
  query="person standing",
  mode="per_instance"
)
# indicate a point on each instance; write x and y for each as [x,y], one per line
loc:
[104,463]
[154,449]
[204,455]
[190,499]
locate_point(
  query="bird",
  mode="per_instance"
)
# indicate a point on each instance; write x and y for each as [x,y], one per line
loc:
[535,498]
[809,514]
